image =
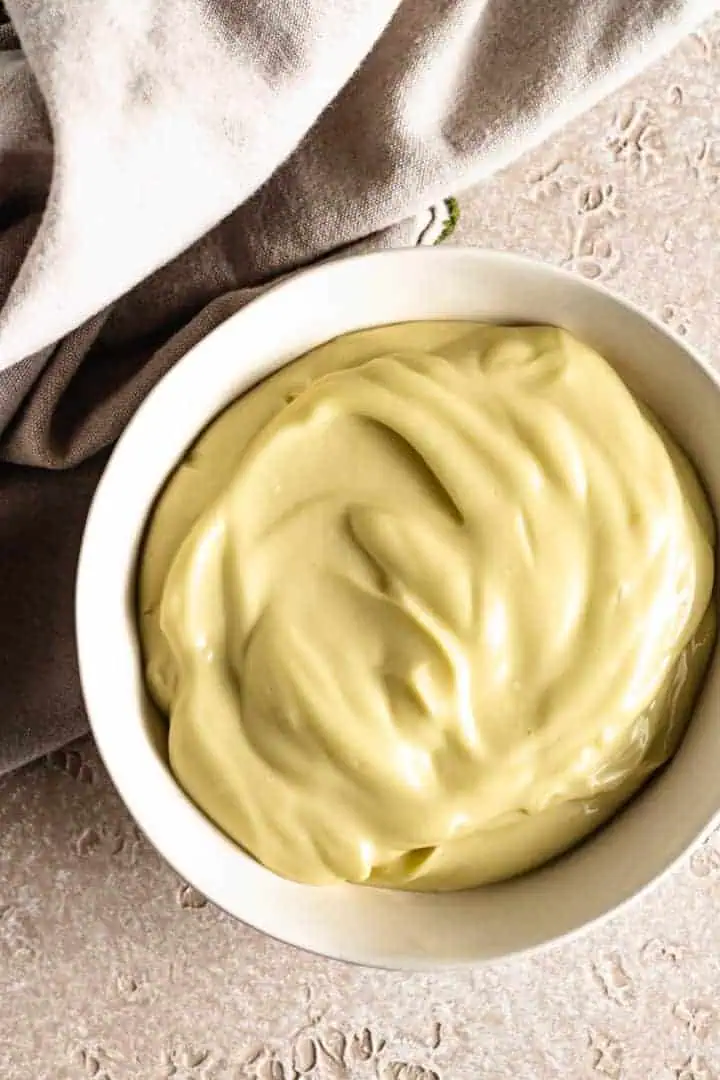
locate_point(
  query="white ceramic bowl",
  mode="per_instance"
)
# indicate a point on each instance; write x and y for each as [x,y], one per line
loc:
[370,926]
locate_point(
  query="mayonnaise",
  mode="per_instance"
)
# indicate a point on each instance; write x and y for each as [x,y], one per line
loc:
[427,606]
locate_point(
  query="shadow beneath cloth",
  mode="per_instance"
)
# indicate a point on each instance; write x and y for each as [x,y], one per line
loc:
[42,515]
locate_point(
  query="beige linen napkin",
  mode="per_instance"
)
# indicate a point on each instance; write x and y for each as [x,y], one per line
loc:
[162,159]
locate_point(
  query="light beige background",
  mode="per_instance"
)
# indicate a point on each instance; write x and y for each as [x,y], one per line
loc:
[113,969]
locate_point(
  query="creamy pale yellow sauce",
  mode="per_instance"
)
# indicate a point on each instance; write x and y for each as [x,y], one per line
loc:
[427,606]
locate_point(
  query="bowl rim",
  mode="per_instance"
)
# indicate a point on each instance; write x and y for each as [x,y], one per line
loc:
[130,794]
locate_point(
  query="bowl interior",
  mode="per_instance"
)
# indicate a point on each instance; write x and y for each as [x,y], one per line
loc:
[372,926]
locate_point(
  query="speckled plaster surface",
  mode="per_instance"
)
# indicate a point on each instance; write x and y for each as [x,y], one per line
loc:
[113,969]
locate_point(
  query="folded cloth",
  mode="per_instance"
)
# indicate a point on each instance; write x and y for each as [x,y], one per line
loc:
[159,162]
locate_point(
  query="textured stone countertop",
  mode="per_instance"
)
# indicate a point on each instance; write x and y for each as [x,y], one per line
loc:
[113,969]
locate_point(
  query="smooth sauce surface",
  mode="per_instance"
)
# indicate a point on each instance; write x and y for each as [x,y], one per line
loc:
[427,606]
